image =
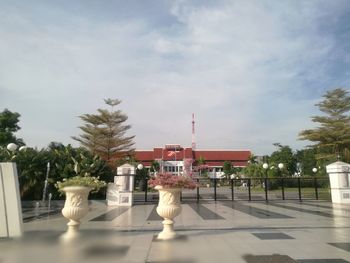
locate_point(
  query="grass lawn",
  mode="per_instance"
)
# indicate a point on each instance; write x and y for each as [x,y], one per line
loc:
[306,192]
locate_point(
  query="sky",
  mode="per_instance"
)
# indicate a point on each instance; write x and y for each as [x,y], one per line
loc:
[250,71]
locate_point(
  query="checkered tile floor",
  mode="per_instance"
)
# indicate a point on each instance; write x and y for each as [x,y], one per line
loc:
[207,232]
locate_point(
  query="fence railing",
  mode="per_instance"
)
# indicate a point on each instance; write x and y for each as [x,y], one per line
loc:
[249,189]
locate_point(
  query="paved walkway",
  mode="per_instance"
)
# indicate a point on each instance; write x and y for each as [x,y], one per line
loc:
[307,232]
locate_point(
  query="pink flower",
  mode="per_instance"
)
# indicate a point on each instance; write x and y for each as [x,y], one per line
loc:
[172,181]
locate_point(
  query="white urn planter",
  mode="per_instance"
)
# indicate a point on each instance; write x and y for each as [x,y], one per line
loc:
[75,207]
[168,207]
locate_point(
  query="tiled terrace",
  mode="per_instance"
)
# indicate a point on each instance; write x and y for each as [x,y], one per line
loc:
[225,231]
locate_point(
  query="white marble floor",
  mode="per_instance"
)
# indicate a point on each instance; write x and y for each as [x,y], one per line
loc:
[208,232]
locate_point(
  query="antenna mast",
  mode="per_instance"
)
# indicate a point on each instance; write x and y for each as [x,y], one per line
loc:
[193,134]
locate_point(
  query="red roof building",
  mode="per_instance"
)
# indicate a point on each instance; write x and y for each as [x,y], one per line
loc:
[173,158]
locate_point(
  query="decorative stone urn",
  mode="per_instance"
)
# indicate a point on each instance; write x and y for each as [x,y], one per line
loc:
[75,207]
[168,207]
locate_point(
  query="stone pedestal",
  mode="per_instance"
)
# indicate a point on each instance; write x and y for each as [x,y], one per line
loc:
[121,191]
[169,206]
[11,224]
[339,173]
[75,207]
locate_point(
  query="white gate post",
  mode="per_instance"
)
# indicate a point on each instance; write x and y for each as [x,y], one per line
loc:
[121,191]
[11,223]
[339,178]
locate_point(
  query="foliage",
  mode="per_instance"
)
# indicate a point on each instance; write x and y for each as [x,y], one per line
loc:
[306,160]
[142,174]
[89,181]
[201,160]
[31,169]
[6,155]
[68,162]
[172,181]
[332,137]
[254,170]
[284,155]
[252,159]
[64,162]
[155,166]
[228,168]
[104,133]
[8,126]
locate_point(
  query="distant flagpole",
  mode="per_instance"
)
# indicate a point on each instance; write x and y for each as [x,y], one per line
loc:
[175,161]
[162,160]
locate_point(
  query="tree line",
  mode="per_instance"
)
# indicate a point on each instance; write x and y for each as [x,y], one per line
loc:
[104,144]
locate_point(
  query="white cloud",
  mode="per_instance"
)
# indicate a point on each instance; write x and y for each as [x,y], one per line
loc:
[244,68]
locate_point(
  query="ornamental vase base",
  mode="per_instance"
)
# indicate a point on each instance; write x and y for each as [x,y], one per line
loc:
[75,208]
[168,208]
[168,230]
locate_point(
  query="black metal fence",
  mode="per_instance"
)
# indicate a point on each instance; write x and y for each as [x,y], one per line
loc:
[249,189]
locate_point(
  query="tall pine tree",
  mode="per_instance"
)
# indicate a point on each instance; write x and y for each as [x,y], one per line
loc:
[332,137]
[104,133]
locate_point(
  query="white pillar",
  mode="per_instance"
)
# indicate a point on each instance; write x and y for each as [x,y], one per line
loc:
[121,191]
[11,224]
[339,173]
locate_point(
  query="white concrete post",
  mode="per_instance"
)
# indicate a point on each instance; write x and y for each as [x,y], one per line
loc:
[11,223]
[339,173]
[121,191]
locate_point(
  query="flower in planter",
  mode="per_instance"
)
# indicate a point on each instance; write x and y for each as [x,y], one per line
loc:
[76,190]
[172,181]
[169,187]
[89,181]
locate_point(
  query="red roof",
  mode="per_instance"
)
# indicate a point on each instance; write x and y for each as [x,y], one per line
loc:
[212,157]
[222,155]
[144,155]
[188,153]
